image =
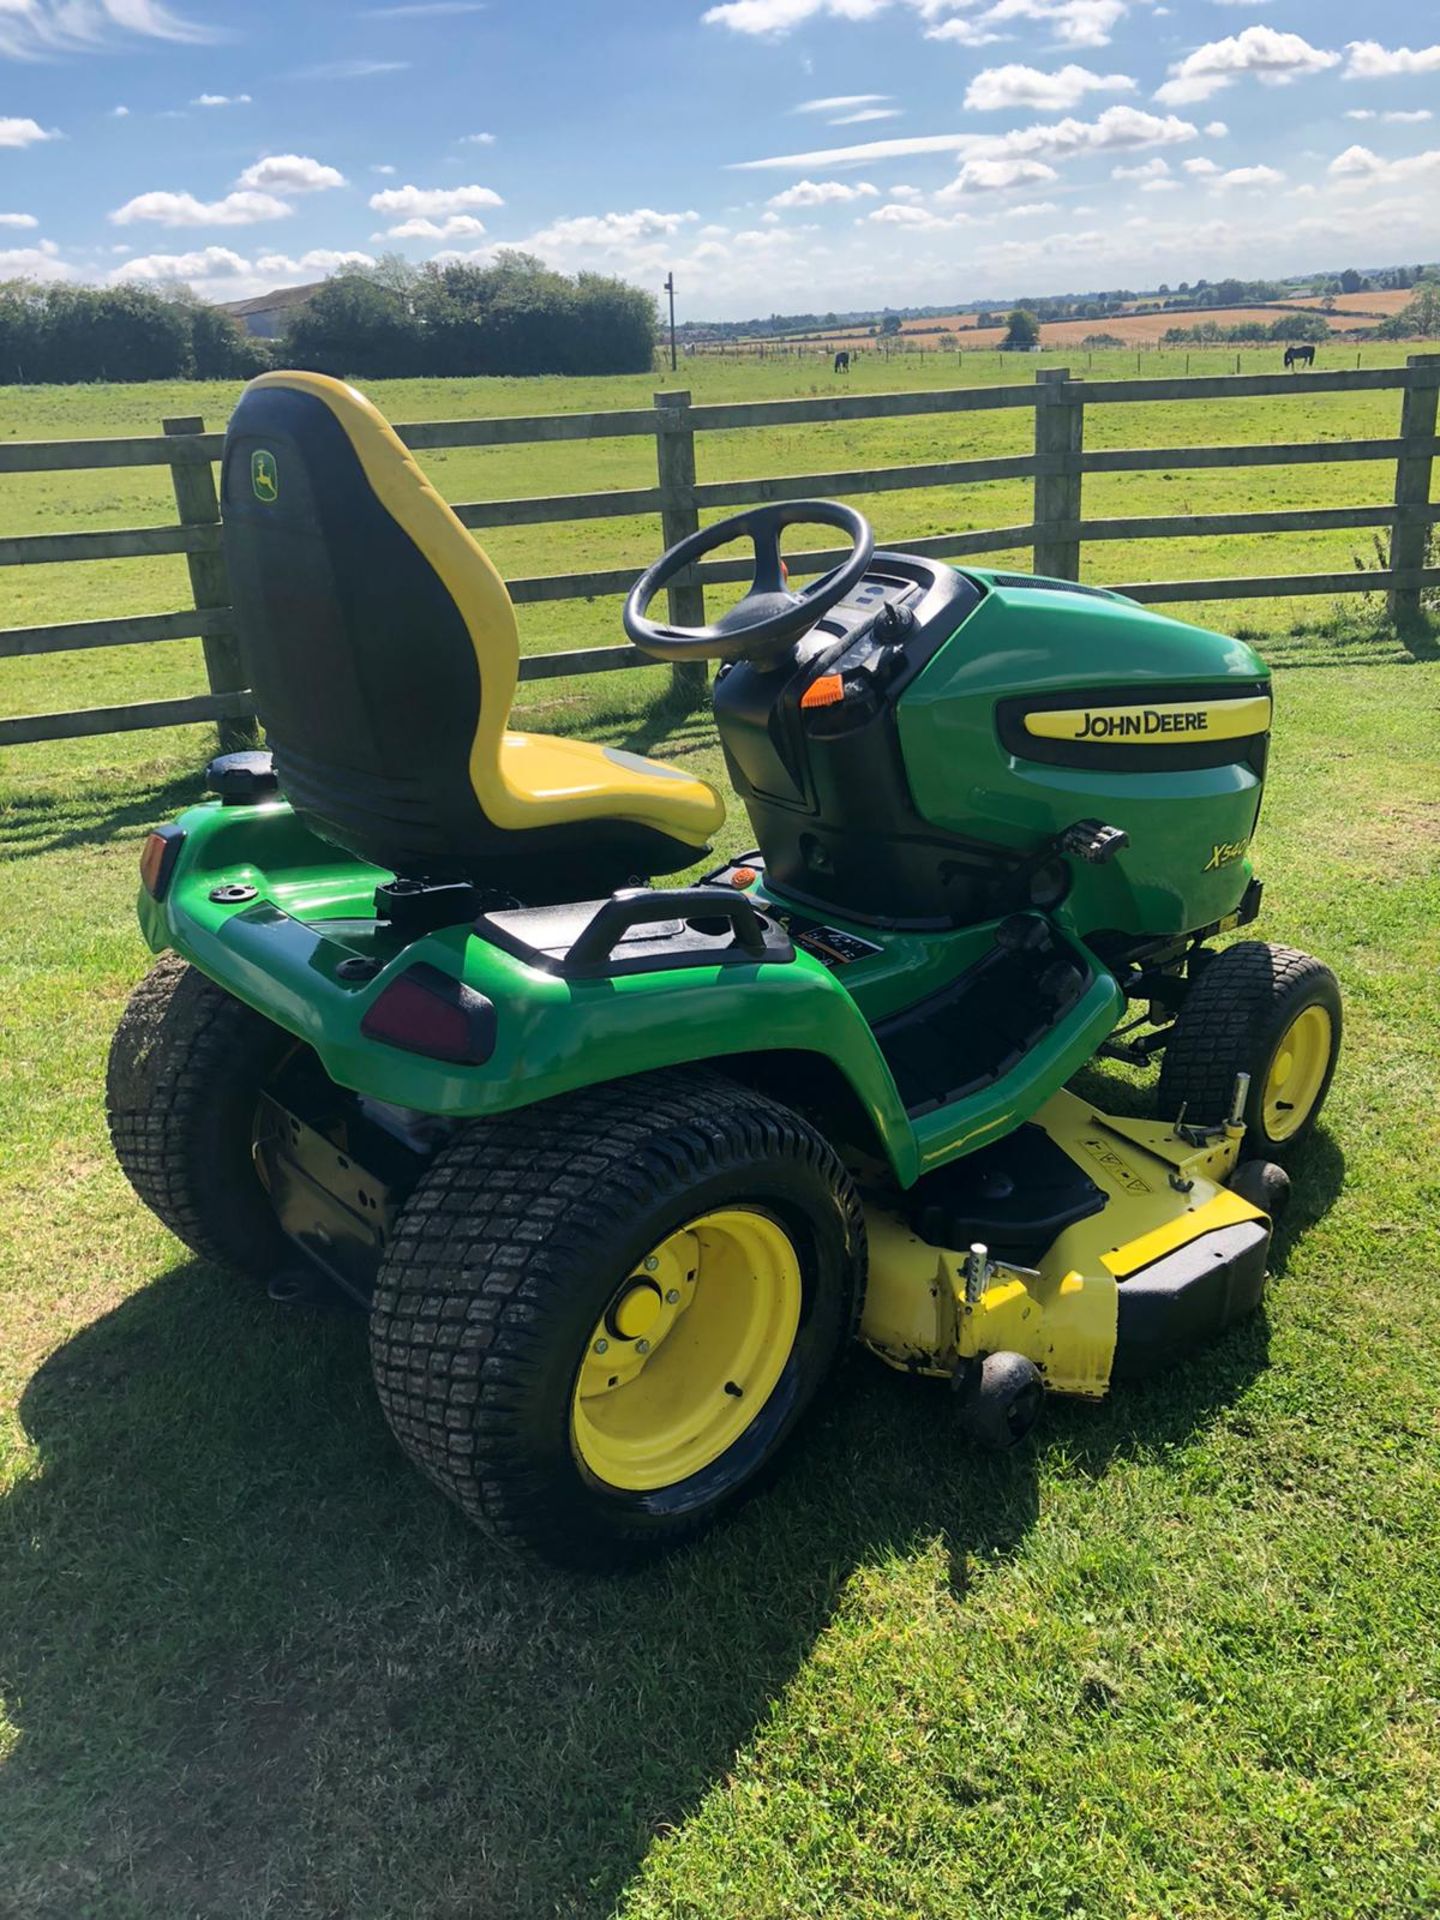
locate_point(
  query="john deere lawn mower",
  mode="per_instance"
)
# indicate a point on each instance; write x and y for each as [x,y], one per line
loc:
[618,1167]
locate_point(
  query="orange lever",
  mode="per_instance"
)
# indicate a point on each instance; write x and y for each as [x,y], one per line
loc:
[828,690]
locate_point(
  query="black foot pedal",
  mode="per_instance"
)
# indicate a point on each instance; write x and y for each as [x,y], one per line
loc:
[1093,842]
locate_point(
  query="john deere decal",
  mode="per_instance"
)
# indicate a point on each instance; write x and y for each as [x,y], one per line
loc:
[1176,724]
[264,476]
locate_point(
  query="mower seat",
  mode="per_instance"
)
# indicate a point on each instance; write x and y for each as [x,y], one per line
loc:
[382,652]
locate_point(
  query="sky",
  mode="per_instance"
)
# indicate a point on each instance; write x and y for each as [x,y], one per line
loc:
[777,155]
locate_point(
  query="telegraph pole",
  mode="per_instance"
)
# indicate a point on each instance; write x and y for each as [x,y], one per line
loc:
[670,289]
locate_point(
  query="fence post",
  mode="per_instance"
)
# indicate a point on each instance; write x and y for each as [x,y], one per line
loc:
[1059,437]
[680,517]
[199,506]
[1413,469]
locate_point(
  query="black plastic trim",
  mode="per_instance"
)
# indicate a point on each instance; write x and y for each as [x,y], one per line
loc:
[683,940]
[1191,1295]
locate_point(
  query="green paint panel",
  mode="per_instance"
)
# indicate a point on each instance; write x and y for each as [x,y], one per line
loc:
[1024,641]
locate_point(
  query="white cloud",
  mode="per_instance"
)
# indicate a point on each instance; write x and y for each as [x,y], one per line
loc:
[964,33]
[381,167]
[997,88]
[1156,169]
[868,113]
[432,201]
[1216,130]
[1251,177]
[1200,166]
[205,263]
[350,69]
[1075,23]
[1370,61]
[1359,167]
[1029,208]
[459,226]
[1361,113]
[477,140]
[119,113]
[996,176]
[904,193]
[610,230]
[781,16]
[18,220]
[25,133]
[1272,57]
[841,102]
[40,262]
[290,173]
[1401,117]
[221,100]
[240,209]
[912,219]
[219,273]
[1117,129]
[41,29]
[824,193]
[318,260]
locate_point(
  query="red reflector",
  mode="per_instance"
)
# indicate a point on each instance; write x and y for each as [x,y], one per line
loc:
[426,1011]
[743,877]
[158,857]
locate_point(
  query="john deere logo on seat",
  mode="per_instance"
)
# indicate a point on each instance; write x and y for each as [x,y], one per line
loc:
[264,476]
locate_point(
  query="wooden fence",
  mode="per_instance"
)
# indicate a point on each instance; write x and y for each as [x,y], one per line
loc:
[1056,531]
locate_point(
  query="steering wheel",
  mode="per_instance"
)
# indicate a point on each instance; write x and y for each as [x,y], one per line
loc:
[770,616]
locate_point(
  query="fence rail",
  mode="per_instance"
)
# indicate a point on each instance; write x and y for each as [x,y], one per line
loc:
[1057,531]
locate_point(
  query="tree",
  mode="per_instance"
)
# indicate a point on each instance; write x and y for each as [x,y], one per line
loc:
[890,325]
[1298,326]
[513,316]
[1022,329]
[1351,281]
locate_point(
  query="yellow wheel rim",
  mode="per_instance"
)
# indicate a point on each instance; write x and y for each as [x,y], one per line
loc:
[688,1351]
[1297,1073]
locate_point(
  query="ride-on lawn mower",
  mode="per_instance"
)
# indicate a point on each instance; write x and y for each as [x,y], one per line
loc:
[618,1169]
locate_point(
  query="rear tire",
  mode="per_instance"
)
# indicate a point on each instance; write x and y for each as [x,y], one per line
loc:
[532,1235]
[1268,1011]
[187,1066]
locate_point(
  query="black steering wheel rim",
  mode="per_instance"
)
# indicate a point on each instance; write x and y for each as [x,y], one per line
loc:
[777,616]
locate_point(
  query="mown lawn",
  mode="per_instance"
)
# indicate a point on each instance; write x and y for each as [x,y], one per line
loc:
[1179,1656]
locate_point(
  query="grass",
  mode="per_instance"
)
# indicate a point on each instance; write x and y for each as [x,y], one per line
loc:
[1177,1658]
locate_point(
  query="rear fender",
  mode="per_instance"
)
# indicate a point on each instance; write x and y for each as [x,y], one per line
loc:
[283,950]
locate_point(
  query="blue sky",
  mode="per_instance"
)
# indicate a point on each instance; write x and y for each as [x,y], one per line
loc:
[778,154]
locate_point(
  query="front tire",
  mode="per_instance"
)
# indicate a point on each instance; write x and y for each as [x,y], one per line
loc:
[187,1067]
[602,1317]
[1268,1011]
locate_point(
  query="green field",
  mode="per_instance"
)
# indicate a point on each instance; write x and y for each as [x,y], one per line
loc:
[1178,1658]
[121,497]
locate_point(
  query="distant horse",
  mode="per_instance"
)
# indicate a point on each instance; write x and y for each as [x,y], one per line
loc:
[842,363]
[1300,355]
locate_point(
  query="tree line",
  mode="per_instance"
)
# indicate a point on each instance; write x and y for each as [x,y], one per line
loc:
[56,334]
[515,316]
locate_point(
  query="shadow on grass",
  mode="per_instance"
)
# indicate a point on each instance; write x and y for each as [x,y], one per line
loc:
[56,819]
[258,1666]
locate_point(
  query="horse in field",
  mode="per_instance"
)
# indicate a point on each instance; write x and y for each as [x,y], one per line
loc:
[1300,355]
[842,363]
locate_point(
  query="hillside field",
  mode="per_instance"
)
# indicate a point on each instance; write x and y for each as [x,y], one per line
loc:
[1176,1658]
